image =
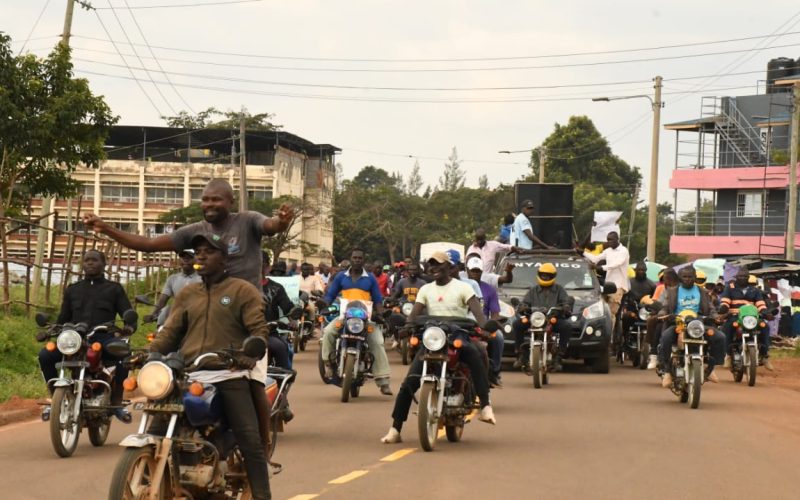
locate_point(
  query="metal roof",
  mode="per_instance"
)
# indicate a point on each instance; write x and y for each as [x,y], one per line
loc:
[778,119]
[707,122]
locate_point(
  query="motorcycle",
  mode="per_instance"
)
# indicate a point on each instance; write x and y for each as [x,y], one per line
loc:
[351,359]
[541,343]
[689,357]
[303,330]
[197,456]
[395,314]
[447,394]
[82,391]
[278,383]
[744,355]
[634,344]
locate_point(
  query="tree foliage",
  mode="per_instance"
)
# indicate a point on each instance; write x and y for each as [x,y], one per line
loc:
[453,176]
[414,181]
[210,118]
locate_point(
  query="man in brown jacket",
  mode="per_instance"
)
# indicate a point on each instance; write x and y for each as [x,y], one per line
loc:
[213,315]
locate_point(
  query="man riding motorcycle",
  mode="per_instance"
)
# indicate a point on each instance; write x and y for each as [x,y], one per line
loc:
[449,297]
[356,283]
[545,294]
[689,296]
[217,314]
[738,293]
[491,309]
[668,278]
[94,300]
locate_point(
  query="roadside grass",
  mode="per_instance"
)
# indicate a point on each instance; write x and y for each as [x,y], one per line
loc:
[785,353]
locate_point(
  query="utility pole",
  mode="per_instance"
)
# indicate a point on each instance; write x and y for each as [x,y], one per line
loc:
[653,202]
[542,160]
[242,165]
[633,212]
[791,218]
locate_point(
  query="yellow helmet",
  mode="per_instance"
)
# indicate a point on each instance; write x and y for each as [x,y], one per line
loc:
[661,274]
[752,280]
[700,278]
[546,268]
[631,272]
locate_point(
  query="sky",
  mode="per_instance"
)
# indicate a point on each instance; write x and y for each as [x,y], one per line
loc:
[392,82]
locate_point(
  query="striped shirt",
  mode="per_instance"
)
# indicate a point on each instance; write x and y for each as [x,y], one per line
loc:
[735,297]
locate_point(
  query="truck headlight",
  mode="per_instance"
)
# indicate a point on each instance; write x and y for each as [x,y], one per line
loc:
[594,311]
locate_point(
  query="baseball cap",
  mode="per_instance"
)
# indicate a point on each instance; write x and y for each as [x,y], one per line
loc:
[474,263]
[213,240]
[440,257]
[527,204]
[387,267]
[189,252]
[455,256]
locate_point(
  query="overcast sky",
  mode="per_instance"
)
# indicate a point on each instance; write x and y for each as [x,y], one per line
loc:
[382,127]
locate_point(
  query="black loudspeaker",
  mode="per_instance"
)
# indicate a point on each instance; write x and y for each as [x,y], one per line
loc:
[548,199]
[555,230]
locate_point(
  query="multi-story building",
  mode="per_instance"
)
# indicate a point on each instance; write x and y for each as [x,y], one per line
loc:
[734,158]
[152,170]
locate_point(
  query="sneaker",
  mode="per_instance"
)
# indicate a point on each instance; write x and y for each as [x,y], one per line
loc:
[727,363]
[386,391]
[123,415]
[652,362]
[46,413]
[712,377]
[395,344]
[517,363]
[557,364]
[328,369]
[768,364]
[666,381]
[487,415]
[391,437]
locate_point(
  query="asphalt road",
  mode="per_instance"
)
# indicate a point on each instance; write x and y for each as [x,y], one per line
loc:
[585,435]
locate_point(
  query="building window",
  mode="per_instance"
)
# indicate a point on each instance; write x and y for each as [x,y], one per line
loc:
[749,203]
[120,192]
[259,194]
[163,193]
[87,191]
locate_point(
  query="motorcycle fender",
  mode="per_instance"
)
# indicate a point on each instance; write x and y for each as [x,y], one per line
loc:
[696,358]
[352,350]
[429,378]
[538,342]
[139,441]
[61,382]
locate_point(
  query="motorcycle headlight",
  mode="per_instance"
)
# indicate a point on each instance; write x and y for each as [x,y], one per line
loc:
[695,329]
[537,319]
[155,380]
[434,338]
[594,311]
[749,322]
[407,307]
[69,342]
[644,314]
[355,325]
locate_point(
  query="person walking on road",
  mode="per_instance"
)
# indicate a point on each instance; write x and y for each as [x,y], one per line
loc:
[617,259]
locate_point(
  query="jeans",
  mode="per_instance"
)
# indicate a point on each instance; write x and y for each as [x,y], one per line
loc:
[48,360]
[521,332]
[654,329]
[380,364]
[763,337]
[278,351]
[495,349]
[469,355]
[716,346]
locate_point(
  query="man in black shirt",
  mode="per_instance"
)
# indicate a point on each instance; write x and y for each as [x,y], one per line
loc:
[278,305]
[94,301]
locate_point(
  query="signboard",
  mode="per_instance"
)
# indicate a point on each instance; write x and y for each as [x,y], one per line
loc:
[292,286]
[427,249]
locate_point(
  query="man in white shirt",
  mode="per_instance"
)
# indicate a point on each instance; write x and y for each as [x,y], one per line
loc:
[309,282]
[617,259]
[523,231]
[487,249]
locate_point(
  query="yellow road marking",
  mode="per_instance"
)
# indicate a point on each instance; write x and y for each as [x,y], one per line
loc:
[303,497]
[398,455]
[348,477]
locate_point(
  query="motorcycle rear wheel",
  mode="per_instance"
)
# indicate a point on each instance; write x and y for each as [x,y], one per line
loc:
[64,436]
[347,376]
[454,432]
[427,419]
[695,384]
[536,366]
[321,366]
[99,433]
[133,474]
[273,434]
[644,356]
[752,365]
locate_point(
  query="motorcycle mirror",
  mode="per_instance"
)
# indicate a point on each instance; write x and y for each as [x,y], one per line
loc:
[118,348]
[609,288]
[254,347]
[142,299]
[491,326]
[130,317]
[41,319]
[514,301]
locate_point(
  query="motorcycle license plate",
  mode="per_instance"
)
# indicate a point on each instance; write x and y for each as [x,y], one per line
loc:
[159,407]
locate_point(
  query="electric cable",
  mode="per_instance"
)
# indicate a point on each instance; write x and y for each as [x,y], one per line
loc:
[33,28]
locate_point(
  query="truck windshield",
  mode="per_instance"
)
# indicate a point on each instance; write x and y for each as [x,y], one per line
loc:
[572,275]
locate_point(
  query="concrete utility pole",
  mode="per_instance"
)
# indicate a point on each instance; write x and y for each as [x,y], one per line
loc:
[633,213]
[542,160]
[653,202]
[791,218]
[242,165]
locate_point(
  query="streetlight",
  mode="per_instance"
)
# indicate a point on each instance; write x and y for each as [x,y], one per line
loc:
[652,214]
[541,159]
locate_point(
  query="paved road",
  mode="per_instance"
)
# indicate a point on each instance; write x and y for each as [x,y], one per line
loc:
[600,436]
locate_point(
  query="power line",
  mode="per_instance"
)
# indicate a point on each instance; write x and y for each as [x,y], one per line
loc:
[469,59]
[146,71]
[181,5]
[166,76]
[33,28]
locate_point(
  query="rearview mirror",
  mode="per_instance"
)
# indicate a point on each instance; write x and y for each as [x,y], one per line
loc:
[514,301]
[118,348]
[41,319]
[254,347]
[142,299]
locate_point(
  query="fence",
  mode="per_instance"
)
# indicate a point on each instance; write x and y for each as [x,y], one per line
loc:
[730,223]
[62,262]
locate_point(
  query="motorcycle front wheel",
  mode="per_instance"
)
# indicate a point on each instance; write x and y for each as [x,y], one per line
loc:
[427,417]
[644,356]
[695,382]
[296,340]
[454,432]
[64,429]
[347,376]
[752,365]
[536,366]
[98,433]
[133,476]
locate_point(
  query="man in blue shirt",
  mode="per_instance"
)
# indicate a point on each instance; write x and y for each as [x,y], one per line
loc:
[689,296]
[356,283]
[523,231]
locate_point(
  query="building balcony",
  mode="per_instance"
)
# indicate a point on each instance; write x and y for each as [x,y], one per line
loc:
[731,178]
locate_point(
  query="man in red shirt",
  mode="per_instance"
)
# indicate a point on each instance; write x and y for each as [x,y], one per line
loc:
[382,277]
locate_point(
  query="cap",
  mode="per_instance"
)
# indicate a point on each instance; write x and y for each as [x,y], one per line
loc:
[455,256]
[474,263]
[440,257]
[527,204]
[387,267]
[212,239]
[186,251]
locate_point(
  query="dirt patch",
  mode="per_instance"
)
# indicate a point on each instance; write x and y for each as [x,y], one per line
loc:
[17,409]
[786,374]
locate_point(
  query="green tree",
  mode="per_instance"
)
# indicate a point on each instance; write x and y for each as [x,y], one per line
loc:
[51,123]
[371,177]
[483,182]
[209,118]
[414,182]
[453,176]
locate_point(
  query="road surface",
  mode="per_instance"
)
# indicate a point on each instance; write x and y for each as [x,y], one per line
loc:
[583,436]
